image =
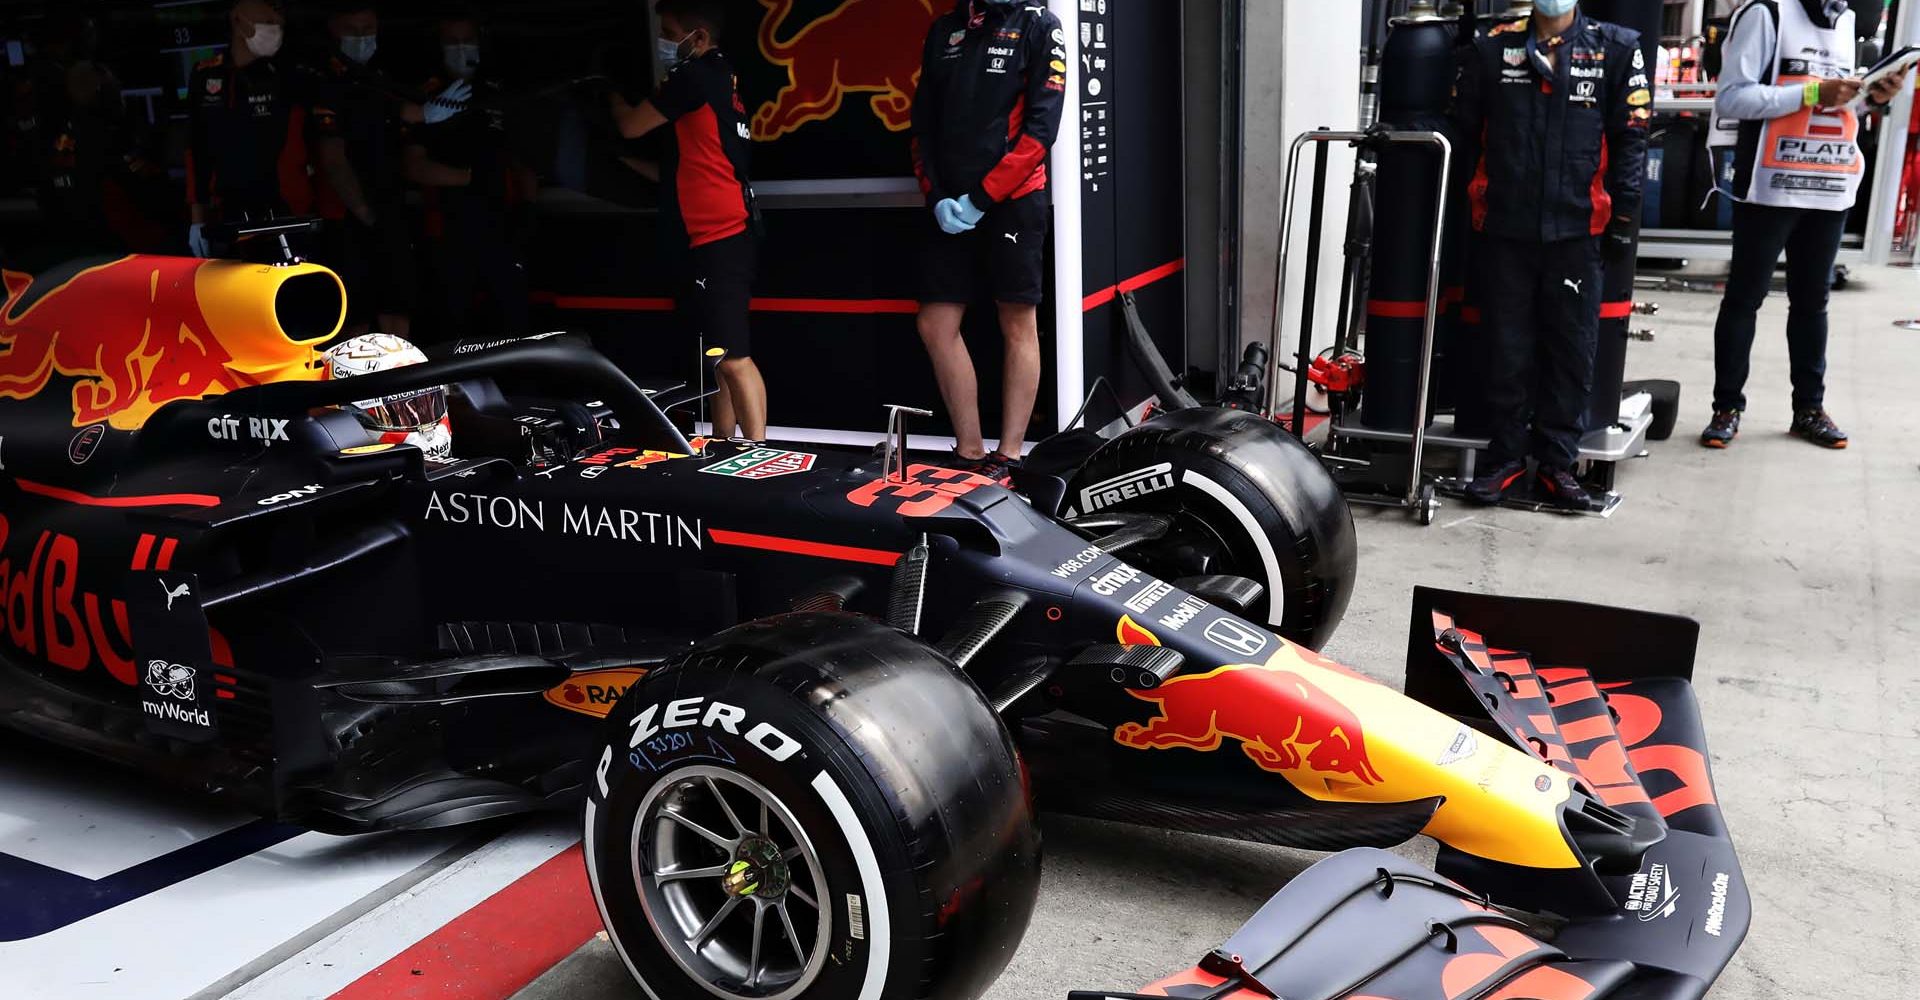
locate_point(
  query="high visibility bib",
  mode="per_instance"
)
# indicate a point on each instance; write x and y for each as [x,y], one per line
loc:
[1811,158]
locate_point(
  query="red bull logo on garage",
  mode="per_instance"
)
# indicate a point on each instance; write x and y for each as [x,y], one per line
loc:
[1283,722]
[861,47]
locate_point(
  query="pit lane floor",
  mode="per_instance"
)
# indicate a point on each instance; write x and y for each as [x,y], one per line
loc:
[1803,566]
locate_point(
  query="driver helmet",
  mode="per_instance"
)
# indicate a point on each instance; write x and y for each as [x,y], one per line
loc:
[417,417]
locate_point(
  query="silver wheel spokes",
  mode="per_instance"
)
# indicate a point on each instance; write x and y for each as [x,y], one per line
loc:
[717,889]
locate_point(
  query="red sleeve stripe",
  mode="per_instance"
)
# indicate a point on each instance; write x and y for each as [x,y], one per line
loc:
[1597,195]
[1018,166]
[920,169]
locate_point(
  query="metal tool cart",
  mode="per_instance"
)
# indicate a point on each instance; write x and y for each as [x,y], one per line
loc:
[1418,496]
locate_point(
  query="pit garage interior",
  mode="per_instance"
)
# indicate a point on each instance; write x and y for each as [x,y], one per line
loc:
[1168,184]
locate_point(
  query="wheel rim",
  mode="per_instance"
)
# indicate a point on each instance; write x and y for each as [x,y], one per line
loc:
[731,885]
[1192,547]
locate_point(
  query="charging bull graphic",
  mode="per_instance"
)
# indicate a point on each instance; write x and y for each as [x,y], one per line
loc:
[141,332]
[1282,720]
[862,47]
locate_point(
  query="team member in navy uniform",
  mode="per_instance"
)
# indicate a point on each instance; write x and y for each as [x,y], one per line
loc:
[706,198]
[1559,103]
[474,191]
[993,81]
[245,158]
[358,137]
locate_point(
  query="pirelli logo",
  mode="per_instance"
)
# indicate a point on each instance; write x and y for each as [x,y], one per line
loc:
[1126,486]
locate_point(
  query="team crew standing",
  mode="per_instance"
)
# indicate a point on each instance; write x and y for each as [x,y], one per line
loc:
[358,137]
[245,156]
[993,83]
[1559,103]
[475,194]
[1788,107]
[707,199]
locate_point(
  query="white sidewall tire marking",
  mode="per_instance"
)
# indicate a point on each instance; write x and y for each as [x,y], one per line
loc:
[1276,598]
[599,900]
[879,927]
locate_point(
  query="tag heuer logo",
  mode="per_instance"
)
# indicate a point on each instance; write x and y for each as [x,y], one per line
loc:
[1127,486]
[1514,57]
[956,38]
[763,463]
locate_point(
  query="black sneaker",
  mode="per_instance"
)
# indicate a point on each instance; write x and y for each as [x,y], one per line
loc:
[1722,429]
[955,460]
[997,467]
[1491,486]
[1559,488]
[1817,427]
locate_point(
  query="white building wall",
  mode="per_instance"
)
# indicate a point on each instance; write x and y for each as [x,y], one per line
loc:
[1302,71]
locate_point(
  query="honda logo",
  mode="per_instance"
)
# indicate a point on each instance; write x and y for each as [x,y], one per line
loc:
[1235,637]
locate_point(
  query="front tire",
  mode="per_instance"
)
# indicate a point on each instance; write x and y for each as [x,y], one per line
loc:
[1246,498]
[823,785]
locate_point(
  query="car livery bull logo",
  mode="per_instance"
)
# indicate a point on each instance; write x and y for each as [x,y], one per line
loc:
[140,332]
[860,47]
[1283,722]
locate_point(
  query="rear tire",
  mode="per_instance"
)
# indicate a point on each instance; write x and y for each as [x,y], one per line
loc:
[883,829]
[1270,509]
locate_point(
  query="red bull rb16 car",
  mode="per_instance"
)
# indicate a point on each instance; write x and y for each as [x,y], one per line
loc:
[809,696]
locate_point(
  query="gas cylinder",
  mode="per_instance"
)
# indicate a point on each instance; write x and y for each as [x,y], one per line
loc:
[1417,68]
[1610,357]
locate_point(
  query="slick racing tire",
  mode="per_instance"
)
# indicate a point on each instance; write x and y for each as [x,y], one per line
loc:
[1246,499]
[827,786]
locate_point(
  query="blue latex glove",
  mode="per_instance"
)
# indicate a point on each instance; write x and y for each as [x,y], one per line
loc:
[197,240]
[947,213]
[448,103]
[969,214]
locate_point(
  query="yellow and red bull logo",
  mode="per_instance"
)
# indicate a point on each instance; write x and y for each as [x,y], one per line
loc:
[140,332]
[1282,721]
[1338,736]
[859,47]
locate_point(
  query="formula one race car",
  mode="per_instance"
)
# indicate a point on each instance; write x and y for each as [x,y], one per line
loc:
[811,695]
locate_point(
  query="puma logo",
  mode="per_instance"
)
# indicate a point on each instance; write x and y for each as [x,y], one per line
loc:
[1013,238]
[1575,285]
[173,592]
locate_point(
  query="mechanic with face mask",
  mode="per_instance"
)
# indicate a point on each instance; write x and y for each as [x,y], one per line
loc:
[1560,104]
[80,140]
[1789,106]
[246,156]
[475,195]
[358,135]
[706,199]
[993,83]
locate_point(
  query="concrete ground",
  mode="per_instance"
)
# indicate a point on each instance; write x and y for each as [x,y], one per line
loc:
[1803,567]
